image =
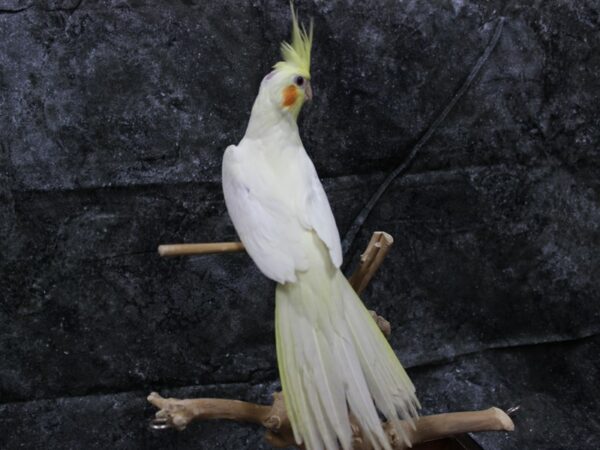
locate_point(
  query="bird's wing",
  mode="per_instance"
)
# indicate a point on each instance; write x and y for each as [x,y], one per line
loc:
[264,221]
[317,213]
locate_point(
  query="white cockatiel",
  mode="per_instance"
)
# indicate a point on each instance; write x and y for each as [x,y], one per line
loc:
[333,359]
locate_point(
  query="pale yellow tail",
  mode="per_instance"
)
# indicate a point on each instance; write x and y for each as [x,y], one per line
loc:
[333,359]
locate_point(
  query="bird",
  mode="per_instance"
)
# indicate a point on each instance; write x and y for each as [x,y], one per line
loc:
[334,362]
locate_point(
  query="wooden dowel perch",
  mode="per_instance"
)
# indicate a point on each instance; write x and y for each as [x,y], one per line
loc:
[176,413]
[168,250]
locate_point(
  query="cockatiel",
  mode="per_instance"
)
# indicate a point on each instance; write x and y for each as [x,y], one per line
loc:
[333,359]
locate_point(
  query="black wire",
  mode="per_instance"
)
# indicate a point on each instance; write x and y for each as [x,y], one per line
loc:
[366,210]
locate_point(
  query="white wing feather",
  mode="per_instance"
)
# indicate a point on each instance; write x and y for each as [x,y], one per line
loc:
[318,214]
[270,220]
[265,224]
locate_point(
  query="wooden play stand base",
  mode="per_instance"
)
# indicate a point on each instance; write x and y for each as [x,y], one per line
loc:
[429,432]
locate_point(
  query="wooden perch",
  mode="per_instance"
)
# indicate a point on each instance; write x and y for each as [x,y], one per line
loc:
[370,260]
[429,428]
[176,413]
[180,413]
[199,249]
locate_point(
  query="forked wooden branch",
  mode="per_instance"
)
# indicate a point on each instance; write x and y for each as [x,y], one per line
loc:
[370,260]
[176,413]
[180,413]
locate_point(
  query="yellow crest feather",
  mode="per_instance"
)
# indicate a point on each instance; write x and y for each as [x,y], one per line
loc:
[296,56]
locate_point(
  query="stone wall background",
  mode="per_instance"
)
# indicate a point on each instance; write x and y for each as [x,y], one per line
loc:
[113,118]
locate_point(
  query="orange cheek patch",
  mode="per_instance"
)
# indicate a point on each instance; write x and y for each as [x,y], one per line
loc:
[290,94]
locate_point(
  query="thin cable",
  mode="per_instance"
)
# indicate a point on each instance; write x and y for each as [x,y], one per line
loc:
[364,213]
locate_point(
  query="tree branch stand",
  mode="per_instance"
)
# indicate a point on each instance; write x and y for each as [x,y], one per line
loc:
[178,414]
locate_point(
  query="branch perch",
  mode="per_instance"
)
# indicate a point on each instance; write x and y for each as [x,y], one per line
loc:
[176,413]
[371,259]
[180,413]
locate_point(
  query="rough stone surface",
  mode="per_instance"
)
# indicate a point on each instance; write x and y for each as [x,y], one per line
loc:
[113,118]
[120,421]
[555,386]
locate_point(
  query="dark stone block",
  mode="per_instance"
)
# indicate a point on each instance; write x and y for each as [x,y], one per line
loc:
[555,385]
[486,258]
[90,295]
[121,421]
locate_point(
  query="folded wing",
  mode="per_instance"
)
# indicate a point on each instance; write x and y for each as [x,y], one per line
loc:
[265,222]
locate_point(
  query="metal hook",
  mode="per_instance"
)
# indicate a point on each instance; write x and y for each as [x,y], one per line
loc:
[512,411]
[159,423]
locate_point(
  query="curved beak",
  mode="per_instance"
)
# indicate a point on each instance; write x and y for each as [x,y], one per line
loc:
[308,91]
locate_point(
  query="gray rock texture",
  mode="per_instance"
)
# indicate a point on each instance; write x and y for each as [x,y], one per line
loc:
[113,118]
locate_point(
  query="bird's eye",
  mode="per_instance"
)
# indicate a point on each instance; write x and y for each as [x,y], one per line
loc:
[299,81]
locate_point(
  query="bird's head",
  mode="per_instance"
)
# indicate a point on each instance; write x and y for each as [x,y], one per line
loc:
[288,84]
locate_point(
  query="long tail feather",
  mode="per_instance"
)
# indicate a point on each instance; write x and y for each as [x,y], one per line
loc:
[334,360]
